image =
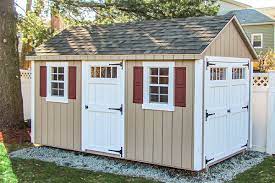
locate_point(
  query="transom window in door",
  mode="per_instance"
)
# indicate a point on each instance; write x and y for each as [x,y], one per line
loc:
[217,73]
[57,81]
[238,73]
[103,72]
[158,86]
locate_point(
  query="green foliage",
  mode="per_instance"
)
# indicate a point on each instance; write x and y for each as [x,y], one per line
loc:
[34,29]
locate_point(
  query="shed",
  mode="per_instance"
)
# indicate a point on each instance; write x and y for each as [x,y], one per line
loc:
[170,92]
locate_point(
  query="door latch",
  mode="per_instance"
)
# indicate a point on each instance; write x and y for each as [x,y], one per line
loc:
[118,109]
[86,107]
[228,110]
[208,114]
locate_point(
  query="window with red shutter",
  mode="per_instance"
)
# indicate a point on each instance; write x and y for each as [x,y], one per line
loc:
[72,82]
[43,81]
[138,85]
[180,86]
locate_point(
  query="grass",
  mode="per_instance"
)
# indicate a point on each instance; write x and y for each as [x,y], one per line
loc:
[264,172]
[20,170]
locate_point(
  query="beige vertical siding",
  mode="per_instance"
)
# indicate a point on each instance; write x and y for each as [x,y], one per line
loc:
[159,137]
[58,124]
[229,43]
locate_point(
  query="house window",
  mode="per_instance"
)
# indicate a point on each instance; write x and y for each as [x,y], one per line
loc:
[238,73]
[57,82]
[257,40]
[158,86]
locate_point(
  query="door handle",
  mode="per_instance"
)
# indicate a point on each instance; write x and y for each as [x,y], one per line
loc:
[86,107]
[228,110]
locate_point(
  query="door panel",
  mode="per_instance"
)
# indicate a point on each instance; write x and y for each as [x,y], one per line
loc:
[226,96]
[103,125]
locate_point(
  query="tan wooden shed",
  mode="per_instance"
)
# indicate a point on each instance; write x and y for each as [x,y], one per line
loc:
[172,92]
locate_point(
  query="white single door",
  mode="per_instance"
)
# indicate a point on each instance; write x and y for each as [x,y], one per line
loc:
[103,124]
[226,109]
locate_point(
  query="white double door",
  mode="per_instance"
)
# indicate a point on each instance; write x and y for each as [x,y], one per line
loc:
[103,92]
[226,109]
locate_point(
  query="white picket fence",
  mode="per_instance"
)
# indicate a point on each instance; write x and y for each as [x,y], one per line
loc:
[263,117]
[26,92]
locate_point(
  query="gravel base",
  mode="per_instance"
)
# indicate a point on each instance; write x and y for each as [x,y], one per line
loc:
[221,172]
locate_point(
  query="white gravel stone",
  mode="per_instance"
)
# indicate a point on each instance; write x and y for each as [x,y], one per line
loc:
[221,172]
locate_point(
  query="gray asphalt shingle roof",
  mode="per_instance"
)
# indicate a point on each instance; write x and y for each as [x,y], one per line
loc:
[170,36]
[249,16]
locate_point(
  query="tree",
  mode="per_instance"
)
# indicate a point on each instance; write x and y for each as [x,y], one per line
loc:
[11,103]
[110,11]
[266,61]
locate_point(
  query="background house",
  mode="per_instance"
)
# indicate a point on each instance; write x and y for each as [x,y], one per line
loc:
[229,5]
[259,27]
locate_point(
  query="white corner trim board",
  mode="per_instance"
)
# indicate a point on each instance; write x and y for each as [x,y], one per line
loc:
[32,100]
[146,79]
[198,117]
[49,97]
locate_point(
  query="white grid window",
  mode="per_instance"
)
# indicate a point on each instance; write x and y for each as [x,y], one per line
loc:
[158,86]
[238,73]
[159,80]
[57,82]
[103,72]
[217,74]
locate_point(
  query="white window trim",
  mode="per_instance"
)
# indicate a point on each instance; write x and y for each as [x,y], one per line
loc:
[50,98]
[252,40]
[157,106]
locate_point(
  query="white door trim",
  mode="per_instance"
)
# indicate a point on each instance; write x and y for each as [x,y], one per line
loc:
[83,102]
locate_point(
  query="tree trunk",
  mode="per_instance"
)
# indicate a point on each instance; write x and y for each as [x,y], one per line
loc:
[11,103]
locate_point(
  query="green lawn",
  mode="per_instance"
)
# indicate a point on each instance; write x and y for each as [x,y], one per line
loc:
[264,172]
[19,170]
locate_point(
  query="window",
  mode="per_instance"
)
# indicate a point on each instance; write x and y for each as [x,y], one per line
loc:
[217,74]
[158,86]
[103,72]
[238,73]
[257,40]
[57,82]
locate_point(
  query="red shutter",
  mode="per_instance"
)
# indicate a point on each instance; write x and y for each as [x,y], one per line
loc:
[180,86]
[72,82]
[43,81]
[138,85]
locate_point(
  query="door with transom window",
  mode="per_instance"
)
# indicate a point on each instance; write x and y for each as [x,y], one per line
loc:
[226,109]
[103,93]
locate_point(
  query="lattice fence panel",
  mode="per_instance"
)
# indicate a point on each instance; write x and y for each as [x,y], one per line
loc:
[25,74]
[260,80]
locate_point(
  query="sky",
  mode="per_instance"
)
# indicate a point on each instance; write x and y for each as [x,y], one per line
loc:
[254,3]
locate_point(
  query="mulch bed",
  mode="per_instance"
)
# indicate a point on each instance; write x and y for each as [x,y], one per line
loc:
[15,136]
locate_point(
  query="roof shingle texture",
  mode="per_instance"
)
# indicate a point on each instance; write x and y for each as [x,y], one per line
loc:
[249,16]
[169,36]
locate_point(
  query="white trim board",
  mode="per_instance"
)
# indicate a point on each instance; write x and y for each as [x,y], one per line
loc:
[32,101]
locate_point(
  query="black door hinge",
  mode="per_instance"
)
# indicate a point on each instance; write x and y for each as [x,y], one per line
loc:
[245,144]
[208,160]
[118,109]
[120,64]
[117,151]
[245,107]
[209,64]
[246,64]
[208,114]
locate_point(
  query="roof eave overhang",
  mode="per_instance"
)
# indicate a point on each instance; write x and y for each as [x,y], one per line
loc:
[114,57]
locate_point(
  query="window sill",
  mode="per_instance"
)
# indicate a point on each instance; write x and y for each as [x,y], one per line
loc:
[57,100]
[158,107]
